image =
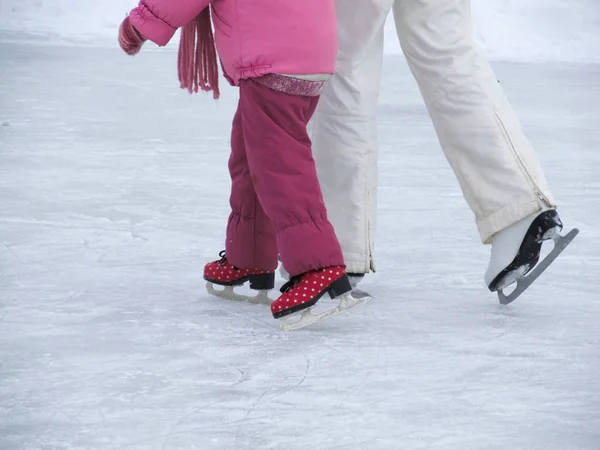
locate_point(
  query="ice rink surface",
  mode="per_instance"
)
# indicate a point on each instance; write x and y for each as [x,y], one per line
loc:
[113,195]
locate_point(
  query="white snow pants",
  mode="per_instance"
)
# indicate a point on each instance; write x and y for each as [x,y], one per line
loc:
[496,166]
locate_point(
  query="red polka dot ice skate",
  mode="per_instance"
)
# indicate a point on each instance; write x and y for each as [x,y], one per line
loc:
[302,292]
[222,273]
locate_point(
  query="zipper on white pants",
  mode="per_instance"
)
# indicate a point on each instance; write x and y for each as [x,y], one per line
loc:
[508,140]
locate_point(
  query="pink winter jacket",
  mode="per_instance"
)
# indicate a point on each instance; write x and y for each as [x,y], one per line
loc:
[253,37]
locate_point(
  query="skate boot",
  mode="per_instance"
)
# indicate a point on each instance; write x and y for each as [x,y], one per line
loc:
[516,251]
[354,279]
[223,273]
[302,292]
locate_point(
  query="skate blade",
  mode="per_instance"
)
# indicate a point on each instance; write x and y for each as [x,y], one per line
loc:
[560,243]
[348,301]
[227,293]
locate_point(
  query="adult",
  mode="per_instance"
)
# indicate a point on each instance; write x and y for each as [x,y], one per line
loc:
[497,169]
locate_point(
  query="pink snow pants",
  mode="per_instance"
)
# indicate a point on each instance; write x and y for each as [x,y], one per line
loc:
[276,202]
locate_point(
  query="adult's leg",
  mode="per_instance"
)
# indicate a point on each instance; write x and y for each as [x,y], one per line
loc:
[344,131]
[496,166]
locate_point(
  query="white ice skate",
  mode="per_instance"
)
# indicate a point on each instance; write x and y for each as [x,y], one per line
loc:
[516,251]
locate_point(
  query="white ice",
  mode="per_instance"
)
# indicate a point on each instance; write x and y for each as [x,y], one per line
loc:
[114,193]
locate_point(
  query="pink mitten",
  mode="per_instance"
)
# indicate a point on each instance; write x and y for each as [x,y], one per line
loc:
[130,39]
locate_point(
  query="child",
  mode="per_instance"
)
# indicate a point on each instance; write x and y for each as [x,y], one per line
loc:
[279,53]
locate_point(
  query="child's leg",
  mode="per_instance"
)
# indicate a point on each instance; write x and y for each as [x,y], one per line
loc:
[251,241]
[280,159]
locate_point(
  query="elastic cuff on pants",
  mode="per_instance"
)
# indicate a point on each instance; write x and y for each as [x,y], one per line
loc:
[309,246]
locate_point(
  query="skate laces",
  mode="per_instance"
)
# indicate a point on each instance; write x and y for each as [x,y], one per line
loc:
[224,261]
[291,284]
[294,281]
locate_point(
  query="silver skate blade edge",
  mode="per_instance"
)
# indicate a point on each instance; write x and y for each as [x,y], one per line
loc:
[307,318]
[358,293]
[227,293]
[560,243]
